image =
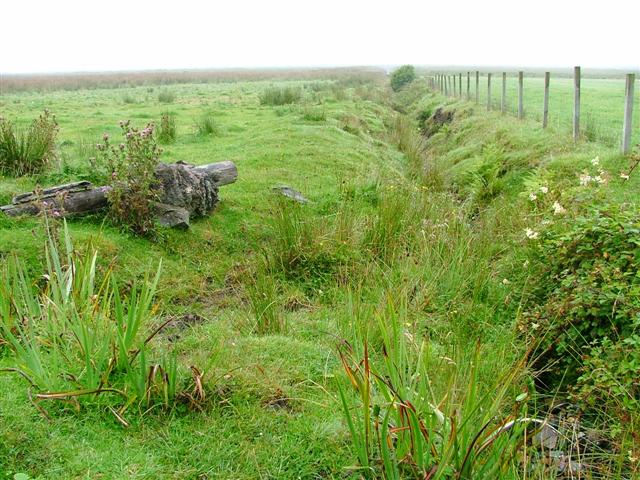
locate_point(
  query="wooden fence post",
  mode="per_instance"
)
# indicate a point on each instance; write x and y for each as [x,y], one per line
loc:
[628,113]
[460,85]
[503,99]
[488,91]
[468,85]
[576,103]
[455,91]
[446,86]
[477,86]
[545,105]
[520,95]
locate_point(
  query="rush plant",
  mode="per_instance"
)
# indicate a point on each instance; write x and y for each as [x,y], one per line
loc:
[418,413]
[77,339]
[28,152]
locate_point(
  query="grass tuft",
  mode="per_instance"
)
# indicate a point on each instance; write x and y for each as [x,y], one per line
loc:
[28,152]
[207,126]
[280,96]
[166,96]
[167,128]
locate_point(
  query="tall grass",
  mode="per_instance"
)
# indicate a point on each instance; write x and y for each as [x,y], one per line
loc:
[265,304]
[280,95]
[207,126]
[166,96]
[420,414]
[167,132]
[314,114]
[76,339]
[77,81]
[428,401]
[128,98]
[28,152]
[406,135]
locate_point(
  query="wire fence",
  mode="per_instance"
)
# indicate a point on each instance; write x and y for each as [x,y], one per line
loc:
[597,109]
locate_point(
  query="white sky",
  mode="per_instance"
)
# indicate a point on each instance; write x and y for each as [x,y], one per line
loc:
[89,35]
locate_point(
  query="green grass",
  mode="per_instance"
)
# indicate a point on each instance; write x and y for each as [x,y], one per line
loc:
[407,261]
[202,273]
[602,104]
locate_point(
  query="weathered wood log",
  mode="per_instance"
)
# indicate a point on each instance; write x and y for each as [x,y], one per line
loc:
[185,190]
[66,201]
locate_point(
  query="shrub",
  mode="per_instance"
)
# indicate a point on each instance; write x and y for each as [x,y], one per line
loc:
[28,152]
[402,76]
[280,96]
[134,188]
[167,130]
[588,300]
[166,96]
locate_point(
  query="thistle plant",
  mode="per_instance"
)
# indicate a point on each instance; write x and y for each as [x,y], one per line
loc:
[134,187]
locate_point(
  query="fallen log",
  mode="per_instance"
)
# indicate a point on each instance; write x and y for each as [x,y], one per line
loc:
[185,191]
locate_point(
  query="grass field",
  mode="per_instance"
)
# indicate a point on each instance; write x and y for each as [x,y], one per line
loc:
[423,274]
[602,104]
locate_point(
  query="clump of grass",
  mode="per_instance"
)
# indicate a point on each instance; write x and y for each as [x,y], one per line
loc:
[167,130]
[391,230]
[410,142]
[82,148]
[128,98]
[96,339]
[280,96]
[265,304]
[28,152]
[402,426]
[78,160]
[314,114]
[351,124]
[207,126]
[303,249]
[339,92]
[166,96]
[595,131]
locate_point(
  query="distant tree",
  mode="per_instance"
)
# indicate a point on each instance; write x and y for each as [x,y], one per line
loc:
[402,76]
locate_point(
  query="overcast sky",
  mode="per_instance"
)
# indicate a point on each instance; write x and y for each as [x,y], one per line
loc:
[70,35]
